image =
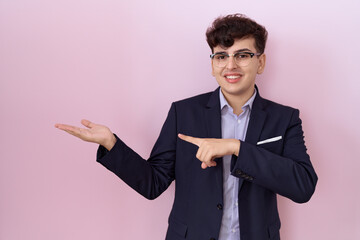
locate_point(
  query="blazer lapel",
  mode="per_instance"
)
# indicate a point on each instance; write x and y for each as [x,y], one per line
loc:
[256,123]
[212,116]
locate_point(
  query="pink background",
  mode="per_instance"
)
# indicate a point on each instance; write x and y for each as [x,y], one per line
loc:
[115,62]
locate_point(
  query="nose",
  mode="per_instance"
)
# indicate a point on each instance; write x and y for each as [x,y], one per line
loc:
[231,64]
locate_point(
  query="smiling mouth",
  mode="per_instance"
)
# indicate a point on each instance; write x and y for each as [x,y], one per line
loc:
[233,78]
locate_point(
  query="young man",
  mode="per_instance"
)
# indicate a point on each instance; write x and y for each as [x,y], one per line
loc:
[250,148]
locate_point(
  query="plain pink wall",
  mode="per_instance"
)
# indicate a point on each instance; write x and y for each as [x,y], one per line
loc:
[114,62]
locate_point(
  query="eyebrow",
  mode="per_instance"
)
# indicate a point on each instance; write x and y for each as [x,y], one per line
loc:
[240,50]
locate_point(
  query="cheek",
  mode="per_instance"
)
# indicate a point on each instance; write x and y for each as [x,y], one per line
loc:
[213,72]
[217,77]
[216,72]
[254,70]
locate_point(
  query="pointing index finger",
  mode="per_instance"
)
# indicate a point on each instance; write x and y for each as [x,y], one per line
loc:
[193,140]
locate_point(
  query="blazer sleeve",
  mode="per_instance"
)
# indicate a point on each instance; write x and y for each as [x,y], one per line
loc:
[289,174]
[149,177]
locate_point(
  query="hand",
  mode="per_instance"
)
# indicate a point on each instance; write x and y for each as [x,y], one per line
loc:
[211,148]
[95,133]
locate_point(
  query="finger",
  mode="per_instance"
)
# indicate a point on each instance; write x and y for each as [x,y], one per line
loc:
[65,127]
[87,123]
[78,132]
[59,125]
[212,163]
[206,165]
[193,140]
[199,155]
[203,165]
[208,159]
[74,133]
[73,130]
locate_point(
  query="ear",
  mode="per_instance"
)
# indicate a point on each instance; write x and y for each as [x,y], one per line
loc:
[262,61]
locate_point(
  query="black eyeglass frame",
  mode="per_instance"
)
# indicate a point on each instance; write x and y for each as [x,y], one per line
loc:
[233,54]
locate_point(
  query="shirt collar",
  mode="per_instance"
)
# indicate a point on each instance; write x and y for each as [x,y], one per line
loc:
[224,103]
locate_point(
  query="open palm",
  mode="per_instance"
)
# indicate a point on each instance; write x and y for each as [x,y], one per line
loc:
[95,133]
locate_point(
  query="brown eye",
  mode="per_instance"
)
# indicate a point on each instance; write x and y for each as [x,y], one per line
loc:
[242,56]
[220,57]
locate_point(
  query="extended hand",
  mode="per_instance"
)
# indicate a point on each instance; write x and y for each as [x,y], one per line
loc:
[94,133]
[211,148]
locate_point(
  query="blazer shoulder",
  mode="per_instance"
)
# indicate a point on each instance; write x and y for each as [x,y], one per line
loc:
[272,106]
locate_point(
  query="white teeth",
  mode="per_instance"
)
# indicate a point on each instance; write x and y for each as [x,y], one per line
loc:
[232,77]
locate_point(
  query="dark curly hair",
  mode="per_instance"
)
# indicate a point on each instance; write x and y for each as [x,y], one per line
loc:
[225,30]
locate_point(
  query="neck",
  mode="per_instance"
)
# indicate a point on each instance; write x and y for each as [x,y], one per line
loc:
[238,101]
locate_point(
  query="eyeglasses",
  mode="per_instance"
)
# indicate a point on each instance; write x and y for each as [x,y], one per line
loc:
[242,59]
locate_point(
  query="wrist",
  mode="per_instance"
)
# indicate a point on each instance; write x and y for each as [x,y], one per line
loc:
[110,142]
[236,147]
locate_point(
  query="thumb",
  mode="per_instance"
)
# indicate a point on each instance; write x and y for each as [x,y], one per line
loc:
[87,123]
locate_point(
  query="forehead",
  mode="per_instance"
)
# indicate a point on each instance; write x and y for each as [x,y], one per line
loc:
[247,44]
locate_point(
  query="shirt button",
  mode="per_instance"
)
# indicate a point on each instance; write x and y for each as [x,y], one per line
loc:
[219,206]
[212,239]
[239,121]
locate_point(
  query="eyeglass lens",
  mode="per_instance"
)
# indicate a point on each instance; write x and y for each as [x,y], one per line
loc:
[241,59]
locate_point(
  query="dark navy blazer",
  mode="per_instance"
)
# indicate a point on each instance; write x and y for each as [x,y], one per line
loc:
[279,167]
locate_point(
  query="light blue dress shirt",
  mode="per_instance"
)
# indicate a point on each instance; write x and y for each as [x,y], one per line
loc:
[232,126]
